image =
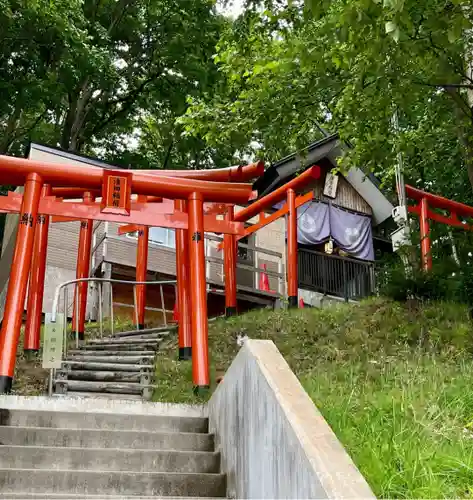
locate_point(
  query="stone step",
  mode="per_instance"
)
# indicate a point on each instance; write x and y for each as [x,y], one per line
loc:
[132,352]
[97,438]
[100,395]
[123,341]
[111,358]
[73,496]
[80,459]
[141,336]
[103,421]
[132,333]
[123,483]
[143,346]
[105,387]
[102,376]
[89,365]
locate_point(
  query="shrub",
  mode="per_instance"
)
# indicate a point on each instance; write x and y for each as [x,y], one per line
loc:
[444,282]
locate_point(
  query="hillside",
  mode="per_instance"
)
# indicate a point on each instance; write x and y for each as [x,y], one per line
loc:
[394,382]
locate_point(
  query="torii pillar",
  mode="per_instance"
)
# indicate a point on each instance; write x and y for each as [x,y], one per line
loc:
[18,282]
[292,279]
[34,307]
[229,261]
[141,273]
[183,289]
[198,292]
[82,271]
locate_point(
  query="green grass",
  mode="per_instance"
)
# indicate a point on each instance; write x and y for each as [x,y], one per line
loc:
[394,381]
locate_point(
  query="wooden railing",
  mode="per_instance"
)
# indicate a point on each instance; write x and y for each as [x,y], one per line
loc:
[343,277]
[249,262]
[250,282]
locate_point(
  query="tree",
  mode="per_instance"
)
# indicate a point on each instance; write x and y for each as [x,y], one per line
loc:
[89,75]
[31,37]
[348,66]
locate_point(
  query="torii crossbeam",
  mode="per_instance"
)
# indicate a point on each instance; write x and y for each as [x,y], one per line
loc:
[427,201]
[40,179]
[186,200]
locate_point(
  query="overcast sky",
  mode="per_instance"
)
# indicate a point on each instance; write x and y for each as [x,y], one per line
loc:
[232,9]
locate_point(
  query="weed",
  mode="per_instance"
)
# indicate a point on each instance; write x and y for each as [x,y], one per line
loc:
[394,382]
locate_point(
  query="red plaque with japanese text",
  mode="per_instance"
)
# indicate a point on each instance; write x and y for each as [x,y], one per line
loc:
[116,192]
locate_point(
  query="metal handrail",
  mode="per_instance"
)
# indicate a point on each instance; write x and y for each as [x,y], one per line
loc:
[255,269]
[100,280]
[335,275]
[259,254]
[336,257]
[255,248]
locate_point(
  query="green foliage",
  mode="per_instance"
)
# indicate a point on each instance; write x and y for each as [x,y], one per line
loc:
[446,281]
[443,282]
[465,289]
[106,77]
[347,66]
[392,380]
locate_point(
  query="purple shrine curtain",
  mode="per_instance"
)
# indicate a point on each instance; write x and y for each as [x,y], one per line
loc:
[317,222]
[352,232]
[313,223]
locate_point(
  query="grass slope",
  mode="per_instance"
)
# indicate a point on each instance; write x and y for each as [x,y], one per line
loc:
[394,382]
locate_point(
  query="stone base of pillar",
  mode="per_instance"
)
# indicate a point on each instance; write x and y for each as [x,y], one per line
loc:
[185,353]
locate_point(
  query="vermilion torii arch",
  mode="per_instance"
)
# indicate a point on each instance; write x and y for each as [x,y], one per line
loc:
[232,174]
[116,205]
[35,298]
[286,192]
[15,171]
[426,201]
[32,327]
[184,200]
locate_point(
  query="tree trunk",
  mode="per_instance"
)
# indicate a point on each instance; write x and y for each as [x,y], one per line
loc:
[469,159]
[468,132]
[75,117]
[168,154]
[68,123]
[463,109]
[83,106]
[8,135]
[465,131]
[455,256]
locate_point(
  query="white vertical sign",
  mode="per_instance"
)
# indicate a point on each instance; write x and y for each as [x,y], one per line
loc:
[53,340]
[331,184]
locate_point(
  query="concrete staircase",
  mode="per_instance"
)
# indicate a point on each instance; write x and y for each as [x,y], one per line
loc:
[117,367]
[74,454]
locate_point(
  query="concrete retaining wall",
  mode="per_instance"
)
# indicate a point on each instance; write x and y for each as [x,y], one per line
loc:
[273,440]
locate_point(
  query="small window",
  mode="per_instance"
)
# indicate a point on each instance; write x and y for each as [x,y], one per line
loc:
[159,236]
[243,253]
[162,236]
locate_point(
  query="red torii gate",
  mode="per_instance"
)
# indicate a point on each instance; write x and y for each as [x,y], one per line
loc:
[116,188]
[426,201]
[197,196]
[287,192]
[230,243]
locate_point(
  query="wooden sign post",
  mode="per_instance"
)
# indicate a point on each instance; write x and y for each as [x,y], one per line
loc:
[116,192]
